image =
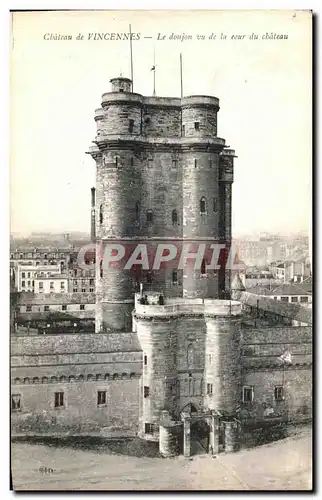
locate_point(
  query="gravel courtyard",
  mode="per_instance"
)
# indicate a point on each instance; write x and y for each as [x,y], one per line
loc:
[282,465]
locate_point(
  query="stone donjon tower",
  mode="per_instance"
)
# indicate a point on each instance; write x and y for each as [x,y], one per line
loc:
[161,173]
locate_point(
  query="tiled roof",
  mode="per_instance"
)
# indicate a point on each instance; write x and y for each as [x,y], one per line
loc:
[48,267]
[30,298]
[290,289]
[259,290]
[288,310]
[307,284]
[284,289]
[52,277]
[75,343]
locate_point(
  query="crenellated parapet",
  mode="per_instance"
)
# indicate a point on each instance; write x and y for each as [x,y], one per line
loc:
[211,308]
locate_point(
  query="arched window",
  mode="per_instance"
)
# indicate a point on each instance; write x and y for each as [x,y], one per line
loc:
[137,210]
[174,217]
[190,356]
[149,216]
[215,205]
[115,376]
[174,277]
[203,266]
[101,214]
[101,269]
[203,205]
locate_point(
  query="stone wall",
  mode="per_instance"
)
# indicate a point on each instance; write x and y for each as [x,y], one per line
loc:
[174,353]
[79,366]
[184,352]
[195,109]
[161,121]
[81,414]
[264,371]
[222,364]
[55,298]
[154,156]
[191,361]
[32,306]
[297,384]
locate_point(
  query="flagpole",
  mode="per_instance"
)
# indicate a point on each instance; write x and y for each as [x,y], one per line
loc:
[181,81]
[154,72]
[131,55]
[181,90]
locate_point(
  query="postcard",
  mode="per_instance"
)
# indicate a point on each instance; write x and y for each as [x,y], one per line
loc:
[161,250]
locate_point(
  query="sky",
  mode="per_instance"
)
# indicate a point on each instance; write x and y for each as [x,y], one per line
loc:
[264,87]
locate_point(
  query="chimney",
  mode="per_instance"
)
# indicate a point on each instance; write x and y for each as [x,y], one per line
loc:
[93,232]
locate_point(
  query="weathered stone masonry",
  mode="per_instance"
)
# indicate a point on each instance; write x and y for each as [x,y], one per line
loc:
[158,155]
[162,173]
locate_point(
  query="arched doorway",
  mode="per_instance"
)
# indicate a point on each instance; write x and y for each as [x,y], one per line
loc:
[199,434]
[189,408]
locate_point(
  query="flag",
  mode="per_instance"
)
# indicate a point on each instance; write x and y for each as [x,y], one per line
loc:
[286,357]
[153,68]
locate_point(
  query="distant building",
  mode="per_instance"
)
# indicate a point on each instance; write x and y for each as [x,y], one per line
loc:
[259,277]
[253,253]
[40,257]
[288,292]
[279,312]
[25,275]
[81,280]
[51,283]
[81,284]
[277,251]
[290,270]
[43,309]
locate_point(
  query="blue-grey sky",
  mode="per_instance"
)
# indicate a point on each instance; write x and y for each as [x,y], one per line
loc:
[264,87]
